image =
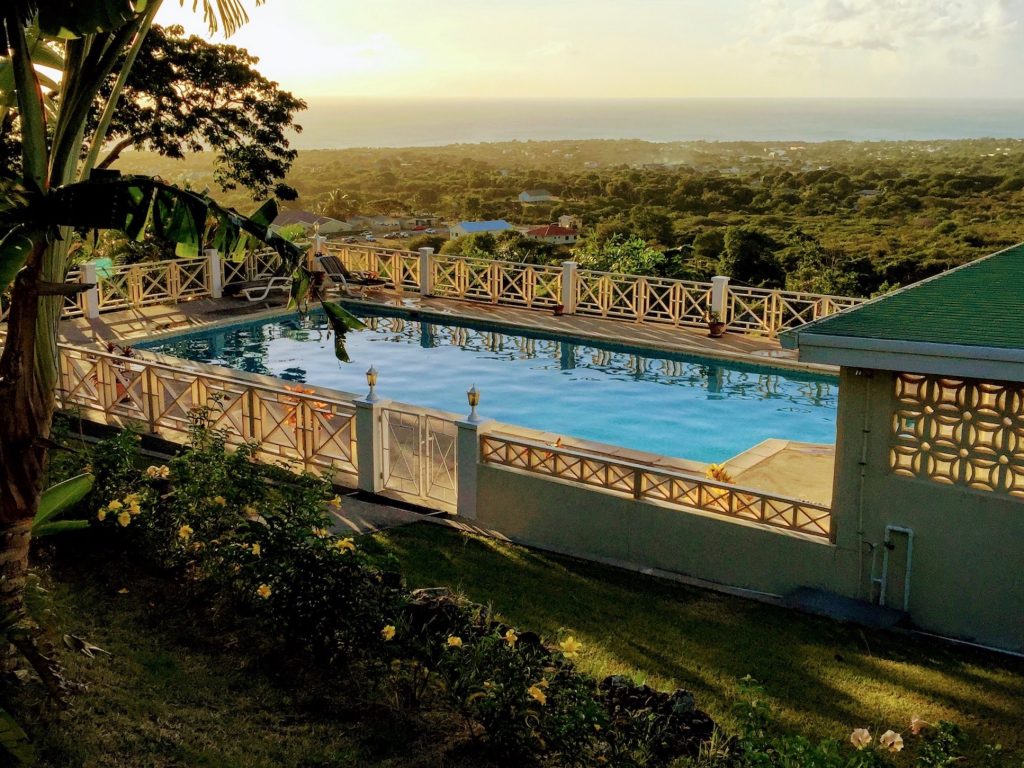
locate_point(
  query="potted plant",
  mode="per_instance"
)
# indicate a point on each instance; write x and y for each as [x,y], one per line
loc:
[716,325]
[559,310]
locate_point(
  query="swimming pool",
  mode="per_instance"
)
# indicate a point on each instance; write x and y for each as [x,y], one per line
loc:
[686,407]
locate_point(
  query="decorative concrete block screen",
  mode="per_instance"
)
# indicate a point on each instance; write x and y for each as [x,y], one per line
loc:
[959,431]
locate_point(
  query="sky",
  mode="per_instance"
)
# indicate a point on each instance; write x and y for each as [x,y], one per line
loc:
[642,48]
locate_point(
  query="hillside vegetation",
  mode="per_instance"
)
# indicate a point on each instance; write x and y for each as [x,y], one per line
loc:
[838,217]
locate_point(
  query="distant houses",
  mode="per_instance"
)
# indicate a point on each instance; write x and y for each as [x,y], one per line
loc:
[464,228]
[535,196]
[554,234]
[327,225]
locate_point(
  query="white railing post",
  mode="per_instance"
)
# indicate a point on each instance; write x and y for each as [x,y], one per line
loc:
[569,272]
[214,273]
[369,451]
[467,459]
[719,294]
[91,297]
[426,271]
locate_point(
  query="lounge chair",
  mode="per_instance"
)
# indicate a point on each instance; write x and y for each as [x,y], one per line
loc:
[259,289]
[345,279]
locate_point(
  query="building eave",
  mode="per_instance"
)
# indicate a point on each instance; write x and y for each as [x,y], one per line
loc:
[910,356]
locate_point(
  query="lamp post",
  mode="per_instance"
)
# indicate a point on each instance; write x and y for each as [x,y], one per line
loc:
[371,379]
[473,396]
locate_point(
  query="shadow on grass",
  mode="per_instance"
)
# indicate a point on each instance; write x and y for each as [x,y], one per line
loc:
[822,676]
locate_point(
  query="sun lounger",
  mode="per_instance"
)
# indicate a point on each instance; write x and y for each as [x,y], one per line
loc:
[345,279]
[258,290]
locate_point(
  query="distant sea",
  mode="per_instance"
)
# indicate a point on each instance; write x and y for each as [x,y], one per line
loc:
[343,123]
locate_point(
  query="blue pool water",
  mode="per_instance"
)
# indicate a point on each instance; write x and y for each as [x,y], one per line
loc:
[673,405]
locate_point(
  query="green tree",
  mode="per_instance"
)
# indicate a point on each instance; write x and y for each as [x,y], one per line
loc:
[51,196]
[185,94]
[749,257]
[628,255]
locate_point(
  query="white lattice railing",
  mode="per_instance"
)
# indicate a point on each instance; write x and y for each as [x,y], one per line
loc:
[256,265]
[401,269]
[601,294]
[768,311]
[152,282]
[291,423]
[497,282]
[650,483]
[644,299]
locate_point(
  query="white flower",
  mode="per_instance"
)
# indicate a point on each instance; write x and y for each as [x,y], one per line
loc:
[860,738]
[891,741]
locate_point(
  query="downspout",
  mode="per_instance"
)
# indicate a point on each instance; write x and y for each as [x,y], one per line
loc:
[863,462]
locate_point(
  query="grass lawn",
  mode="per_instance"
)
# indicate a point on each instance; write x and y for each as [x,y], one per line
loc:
[823,677]
[176,693]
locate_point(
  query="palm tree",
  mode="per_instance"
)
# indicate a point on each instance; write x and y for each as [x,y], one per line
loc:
[105,36]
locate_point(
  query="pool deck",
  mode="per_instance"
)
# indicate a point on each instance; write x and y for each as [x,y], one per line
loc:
[788,468]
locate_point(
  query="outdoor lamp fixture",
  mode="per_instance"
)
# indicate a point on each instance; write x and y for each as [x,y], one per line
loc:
[473,396]
[371,379]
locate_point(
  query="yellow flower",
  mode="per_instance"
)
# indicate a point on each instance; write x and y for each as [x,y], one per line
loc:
[263,591]
[345,545]
[185,532]
[102,514]
[335,502]
[454,641]
[388,633]
[860,738]
[719,473]
[255,549]
[133,498]
[571,647]
[134,508]
[537,694]
[123,519]
[220,501]
[511,638]
[321,533]
[162,472]
[114,505]
[891,741]
[250,512]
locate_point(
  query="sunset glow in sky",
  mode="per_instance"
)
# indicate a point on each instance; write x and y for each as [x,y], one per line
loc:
[644,48]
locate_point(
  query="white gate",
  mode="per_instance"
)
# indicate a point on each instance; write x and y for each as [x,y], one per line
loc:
[419,462]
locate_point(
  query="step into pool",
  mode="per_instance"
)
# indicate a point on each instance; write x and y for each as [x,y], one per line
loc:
[674,405]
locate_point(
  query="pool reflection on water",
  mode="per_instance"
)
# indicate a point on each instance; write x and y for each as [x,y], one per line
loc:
[693,408]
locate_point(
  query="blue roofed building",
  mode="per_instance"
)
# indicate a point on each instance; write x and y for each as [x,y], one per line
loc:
[479,227]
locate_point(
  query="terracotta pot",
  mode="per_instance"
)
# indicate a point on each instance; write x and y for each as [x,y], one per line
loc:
[559,310]
[716,330]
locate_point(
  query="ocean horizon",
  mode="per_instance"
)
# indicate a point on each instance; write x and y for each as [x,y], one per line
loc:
[377,122]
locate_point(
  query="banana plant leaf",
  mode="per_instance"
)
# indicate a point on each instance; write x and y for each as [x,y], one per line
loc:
[14,251]
[136,203]
[58,499]
[63,19]
[14,742]
[342,321]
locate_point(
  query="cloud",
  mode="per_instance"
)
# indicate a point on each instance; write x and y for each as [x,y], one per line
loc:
[889,25]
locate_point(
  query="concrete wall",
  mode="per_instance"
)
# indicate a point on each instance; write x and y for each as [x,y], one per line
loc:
[538,510]
[967,569]
[966,576]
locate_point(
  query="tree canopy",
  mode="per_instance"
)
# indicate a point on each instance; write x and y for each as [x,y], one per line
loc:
[185,95]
